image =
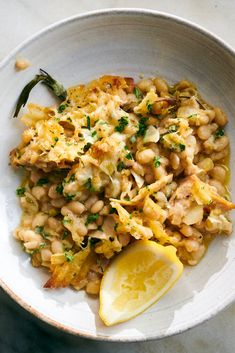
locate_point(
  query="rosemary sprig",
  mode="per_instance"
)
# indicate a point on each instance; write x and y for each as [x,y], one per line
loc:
[56,87]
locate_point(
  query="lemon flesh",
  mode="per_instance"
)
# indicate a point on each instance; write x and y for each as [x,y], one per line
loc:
[136,279]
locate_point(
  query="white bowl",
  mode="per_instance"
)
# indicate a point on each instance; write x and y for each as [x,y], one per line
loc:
[125,42]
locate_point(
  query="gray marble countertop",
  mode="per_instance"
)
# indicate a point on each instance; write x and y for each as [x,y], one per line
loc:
[19,331]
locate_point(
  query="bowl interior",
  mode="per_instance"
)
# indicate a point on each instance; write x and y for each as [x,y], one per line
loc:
[126,43]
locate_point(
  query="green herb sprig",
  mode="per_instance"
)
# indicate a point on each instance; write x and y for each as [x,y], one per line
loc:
[56,87]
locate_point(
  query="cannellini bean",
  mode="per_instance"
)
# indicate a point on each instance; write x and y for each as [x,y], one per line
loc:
[58,203]
[55,224]
[92,199]
[145,156]
[197,255]
[159,172]
[194,215]
[92,226]
[46,255]
[100,220]
[97,206]
[65,211]
[82,229]
[221,143]
[138,169]
[93,287]
[76,207]
[175,160]
[149,177]
[22,64]
[31,245]
[186,230]
[206,164]
[204,132]
[211,114]
[52,193]
[216,156]
[38,192]
[29,203]
[219,173]
[35,175]
[161,85]
[39,220]
[219,186]
[191,245]
[145,85]
[27,220]
[28,235]
[105,210]
[124,239]
[220,117]
[57,247]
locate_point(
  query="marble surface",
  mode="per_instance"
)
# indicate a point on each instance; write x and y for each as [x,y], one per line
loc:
[19,331]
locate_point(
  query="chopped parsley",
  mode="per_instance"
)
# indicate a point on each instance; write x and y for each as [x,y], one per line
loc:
[87,146]
[40,230]
[88,122]
[93,241]
[66,220]
[115,226]
[149,107]
[59,189]
[88,185]
[20,191]
[94,133]
[91,218]
[70,197]
[172,128]
[129,156]
[142,126]
[219,133]
[157,161]
[121,165]
[138,93]
[122,123]
[42,181]
[69,119]
[72,178]
[112,210]
[181,147]
[69,257]
[65,234]
[61,108]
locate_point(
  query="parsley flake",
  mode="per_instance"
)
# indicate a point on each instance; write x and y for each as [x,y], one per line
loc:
[219,133]
[157,161]
[138,93]
[91,218]
[142,126]
[42,181]
[20,191]
[61,108]
[88,185]
[87,146]
[69,257]
[121,165]
[59,189]
[88,122]
[122,123]
[129,156]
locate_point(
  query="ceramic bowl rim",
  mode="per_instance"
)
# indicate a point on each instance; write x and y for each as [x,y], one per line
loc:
[42,33]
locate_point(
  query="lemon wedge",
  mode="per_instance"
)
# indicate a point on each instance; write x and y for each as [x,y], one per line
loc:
[136,279]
